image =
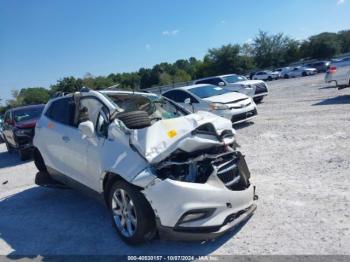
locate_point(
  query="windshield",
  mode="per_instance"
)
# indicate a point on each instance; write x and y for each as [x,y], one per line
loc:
[21,115]
[157,107]
[208,91]
[234,78]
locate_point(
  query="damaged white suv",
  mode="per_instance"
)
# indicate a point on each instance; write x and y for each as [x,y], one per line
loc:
[159,168]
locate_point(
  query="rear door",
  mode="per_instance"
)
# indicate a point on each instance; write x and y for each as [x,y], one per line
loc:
[64,149]
[8,128]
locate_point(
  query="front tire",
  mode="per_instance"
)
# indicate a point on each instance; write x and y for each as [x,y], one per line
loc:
[258,100]
[8,147]
[131,213]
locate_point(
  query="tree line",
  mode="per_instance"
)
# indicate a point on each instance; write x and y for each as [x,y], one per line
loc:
[264,51]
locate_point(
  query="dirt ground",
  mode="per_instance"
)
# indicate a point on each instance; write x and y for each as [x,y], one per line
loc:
[298,151]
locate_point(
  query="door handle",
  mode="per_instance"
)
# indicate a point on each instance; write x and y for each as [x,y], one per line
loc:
[65,139]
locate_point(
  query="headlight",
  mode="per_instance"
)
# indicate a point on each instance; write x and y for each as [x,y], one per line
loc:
[22,132]
[218,106]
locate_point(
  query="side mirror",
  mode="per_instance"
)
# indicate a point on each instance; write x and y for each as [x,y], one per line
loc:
[187,101]
[87,128]
[221,84]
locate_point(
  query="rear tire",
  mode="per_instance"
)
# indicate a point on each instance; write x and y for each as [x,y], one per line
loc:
[39,161]
[304,74]
[131,212]
[269,78]
[24,154]
[286,76]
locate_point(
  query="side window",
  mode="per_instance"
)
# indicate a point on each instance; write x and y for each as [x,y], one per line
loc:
[179,96]
[95,111]
[215,81]
[62,111]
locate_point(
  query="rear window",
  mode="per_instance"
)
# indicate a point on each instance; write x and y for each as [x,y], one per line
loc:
[208,91]
[21,115]
[62,111]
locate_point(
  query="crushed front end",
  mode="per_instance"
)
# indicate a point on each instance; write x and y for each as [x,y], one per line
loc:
[202,188]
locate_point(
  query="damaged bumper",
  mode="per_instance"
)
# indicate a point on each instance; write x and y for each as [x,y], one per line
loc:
[197,211]
[205,233]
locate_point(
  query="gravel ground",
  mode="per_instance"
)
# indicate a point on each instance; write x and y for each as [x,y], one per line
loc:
[297,150]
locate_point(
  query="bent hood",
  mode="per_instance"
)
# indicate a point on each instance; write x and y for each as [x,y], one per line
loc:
[164,137]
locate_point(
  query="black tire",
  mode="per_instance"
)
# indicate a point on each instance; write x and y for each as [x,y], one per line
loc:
[9,148]
[269,78]
[145,227]
[24,154]
[258,100]
[39,161]
[286,76]
[135,119]
[304,74]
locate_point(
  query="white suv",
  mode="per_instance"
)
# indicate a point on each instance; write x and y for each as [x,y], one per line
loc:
[158,167]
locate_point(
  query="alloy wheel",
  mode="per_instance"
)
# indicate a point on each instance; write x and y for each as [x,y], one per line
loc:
[124,213]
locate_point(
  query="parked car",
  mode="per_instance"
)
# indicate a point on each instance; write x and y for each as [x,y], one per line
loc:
[339,73]
[1,130]
[18,129]
[158,170]
[320,66]
[266,75]
[300,71]
[237,83]
[234,106]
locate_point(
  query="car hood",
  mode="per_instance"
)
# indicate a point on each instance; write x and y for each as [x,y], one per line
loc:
[27,124]
[157,142]
[226,98]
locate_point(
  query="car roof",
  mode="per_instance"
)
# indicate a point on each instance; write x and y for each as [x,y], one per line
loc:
[26,107]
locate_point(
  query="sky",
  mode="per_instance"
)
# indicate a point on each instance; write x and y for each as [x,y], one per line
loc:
[43,41]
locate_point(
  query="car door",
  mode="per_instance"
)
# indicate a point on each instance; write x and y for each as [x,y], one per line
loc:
[98,114]
[64,148]
[8,128]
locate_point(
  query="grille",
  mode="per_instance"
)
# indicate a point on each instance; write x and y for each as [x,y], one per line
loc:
[227,170]
[260,88]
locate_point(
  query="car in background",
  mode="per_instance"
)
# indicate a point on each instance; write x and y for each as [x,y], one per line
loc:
[1,130]
[234,106]
[320,66]
[157,168]
[237,83]
[18,129]
[300,71]
[266,75]
[339,73]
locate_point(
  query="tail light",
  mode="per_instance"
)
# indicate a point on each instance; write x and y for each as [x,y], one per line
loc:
[332,69]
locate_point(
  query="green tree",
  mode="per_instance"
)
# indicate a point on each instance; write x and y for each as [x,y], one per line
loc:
[34,95]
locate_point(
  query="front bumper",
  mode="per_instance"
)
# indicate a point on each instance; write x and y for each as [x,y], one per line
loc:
[239,115]
[206,233]
[224,208]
